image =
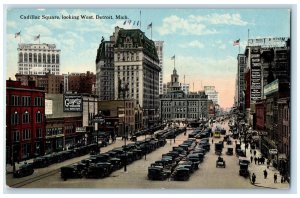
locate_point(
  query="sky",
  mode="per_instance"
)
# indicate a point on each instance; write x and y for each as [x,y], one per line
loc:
[201,39]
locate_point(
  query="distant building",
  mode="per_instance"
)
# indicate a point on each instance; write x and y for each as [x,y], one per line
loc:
[82,82]
[212,94]
[38,59]
[185,88]
[160,52]
[175,105]
[25,121]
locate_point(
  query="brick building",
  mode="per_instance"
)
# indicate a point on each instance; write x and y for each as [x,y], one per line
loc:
[82,82]
[25,121]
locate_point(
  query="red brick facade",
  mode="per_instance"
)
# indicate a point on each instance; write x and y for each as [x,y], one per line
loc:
[25,121]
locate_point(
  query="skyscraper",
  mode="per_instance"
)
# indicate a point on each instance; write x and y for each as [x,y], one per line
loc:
[159,48]
[212,94]
[38,59]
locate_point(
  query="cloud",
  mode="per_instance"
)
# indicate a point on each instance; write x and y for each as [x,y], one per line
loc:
[198,25]
[11,24]
[193,44]
[36,30]
[217,19]
[175,24]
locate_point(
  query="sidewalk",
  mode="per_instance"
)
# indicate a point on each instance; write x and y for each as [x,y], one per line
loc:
[258,170]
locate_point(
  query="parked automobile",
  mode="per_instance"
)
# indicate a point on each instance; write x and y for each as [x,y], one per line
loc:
[244,160]
[157,173]
[67,172]
[229,151]
[24,170]
[218,148]
[181,174]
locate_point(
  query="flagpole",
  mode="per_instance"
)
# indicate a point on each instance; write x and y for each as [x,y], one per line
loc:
[174,61]
[140,20]
[20,38]
[248,37]
[151,30]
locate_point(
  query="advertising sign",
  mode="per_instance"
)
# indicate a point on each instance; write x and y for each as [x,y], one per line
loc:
[255,82]
[273,151]
[271,88]
[48,107]
[72,103]
[268,42]
[80,129]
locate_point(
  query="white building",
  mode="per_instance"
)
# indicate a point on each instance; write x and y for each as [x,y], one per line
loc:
[212,94]
[38,59]
[159,48]
[185,88]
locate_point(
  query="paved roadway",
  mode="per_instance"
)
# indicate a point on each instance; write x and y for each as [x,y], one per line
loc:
[207,177]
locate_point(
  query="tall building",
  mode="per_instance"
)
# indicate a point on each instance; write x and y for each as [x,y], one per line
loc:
[212,94]
[240,82]
[175,105]
[159,48]
[38,59]
[105,70]
[137,70]
[25,121]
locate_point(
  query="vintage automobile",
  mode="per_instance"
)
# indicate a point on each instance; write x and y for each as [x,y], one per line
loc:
[24,170]
[229,151]
[157,173]
[39,162]
[99,170]
[217,134]
[244,170]
[240,152]
[223,131]
[181,174]
[71,171]
[186,164]
[220,162]
[195,158]
[218,148]
[244,160]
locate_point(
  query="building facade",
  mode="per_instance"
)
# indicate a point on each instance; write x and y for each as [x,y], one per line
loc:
[38,59]
[25,121]
[105,70]
[175,105]
[212,94]
[137,68]
[160,52]
[82,82]
[185,88]
[52,84]
[240,86]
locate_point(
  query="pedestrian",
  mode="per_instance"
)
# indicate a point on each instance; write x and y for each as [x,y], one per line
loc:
[253,178]
[255,160]
[254,152]
[265,174]
[275,177]
[250,151]
[282,179]
[212,140]
[251,158]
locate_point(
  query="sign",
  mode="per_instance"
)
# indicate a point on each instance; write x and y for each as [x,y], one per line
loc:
[98,119]
[262,133]
[255,82]
[72,103]
[48,107]
[80,129]
[273,151]
[268,42]
[271,88]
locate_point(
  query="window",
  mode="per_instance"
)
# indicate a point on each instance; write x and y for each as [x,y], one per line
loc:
[48,58]
[26,148]
[35,58]
[57,58]
[39,133]
[26,101]
[38,101]
[38,117]
[25,57]
[14,118]
[53,58]
[39,58]
[44,58]
[15,100]
[26,117]
[26,134]
[30,57]
[16,136]
[20,57]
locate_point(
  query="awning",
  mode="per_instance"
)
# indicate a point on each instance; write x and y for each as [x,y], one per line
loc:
[282,156]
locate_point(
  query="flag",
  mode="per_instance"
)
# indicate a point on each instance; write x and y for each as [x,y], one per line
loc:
[149,26]
[129,22]
[17,34]
[173,57]
[37,37]
[124,23]
[237,42]
[133,22]
[138,23]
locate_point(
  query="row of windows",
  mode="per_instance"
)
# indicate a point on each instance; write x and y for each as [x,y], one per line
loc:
[26,134]
[15,118]
[38,58]
[54,131]
[26,101]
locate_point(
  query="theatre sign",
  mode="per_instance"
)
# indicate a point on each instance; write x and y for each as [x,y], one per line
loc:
[72,103]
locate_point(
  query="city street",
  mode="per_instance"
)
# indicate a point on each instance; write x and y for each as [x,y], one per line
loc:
[208,176]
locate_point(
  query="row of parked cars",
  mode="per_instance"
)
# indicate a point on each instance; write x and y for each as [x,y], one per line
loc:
[181,162]
[170,133]
[43,161]
[102,165]
[200,133]
[150,130]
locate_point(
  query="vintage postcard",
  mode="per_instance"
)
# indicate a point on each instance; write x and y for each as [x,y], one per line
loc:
[148,98]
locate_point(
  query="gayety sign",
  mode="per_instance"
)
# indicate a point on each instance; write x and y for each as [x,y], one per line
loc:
[72,103]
